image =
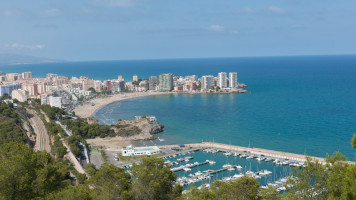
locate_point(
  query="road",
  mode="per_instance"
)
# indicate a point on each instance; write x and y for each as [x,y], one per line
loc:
[42,138]
[73,159]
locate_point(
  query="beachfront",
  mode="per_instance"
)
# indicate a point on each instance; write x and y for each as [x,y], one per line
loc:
[88,109]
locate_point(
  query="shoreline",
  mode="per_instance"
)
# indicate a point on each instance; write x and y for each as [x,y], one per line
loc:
[87,110]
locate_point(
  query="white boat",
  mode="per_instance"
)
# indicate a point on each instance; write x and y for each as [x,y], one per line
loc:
[236,154]
[227,154]
[236,176]
[243,156]
[260,158]
[264,172]
[227,166]
[187,169]
[238,167]
[249,173]
[281,189]
[231,169]
[249,157]
[256,176]
[268,159]
[211,162]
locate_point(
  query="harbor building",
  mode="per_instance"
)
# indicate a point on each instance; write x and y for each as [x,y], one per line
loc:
[135,151]
[222,80]
[7,89]
[165,82]
[233,79]
[207,82]
[152,82]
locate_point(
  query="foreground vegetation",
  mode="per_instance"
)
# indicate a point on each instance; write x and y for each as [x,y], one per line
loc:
[29,174]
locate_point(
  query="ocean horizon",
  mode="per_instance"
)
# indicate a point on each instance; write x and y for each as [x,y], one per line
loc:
[297,104]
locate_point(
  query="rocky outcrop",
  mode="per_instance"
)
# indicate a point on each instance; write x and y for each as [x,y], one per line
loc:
[156,128]
[137,129]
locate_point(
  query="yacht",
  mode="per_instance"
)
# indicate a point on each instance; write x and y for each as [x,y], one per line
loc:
[260,158]
[231,169]
[249,173]
[227,166]
[187,169]
[249,157]
[238,167]
[236,176]
[227,154]
[211,162]
[264,172]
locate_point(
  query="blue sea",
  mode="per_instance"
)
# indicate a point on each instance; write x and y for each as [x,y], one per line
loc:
[300,104]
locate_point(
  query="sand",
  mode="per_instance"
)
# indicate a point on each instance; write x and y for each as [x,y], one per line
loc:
[87,110]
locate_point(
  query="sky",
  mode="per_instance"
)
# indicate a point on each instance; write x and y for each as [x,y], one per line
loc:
[84,30]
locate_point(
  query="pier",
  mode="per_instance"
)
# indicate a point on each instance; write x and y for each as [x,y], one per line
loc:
[254,151]
[176,169]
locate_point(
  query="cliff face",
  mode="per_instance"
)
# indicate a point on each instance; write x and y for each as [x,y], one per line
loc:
[137,129]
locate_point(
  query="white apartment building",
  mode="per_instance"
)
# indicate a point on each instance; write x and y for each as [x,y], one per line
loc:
[207,82]
[222,80]
[55,101]
[233,79]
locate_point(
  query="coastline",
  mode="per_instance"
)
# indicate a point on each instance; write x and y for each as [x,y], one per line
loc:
[87,110]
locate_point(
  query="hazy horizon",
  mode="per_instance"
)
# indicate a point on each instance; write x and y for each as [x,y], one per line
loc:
[140,29]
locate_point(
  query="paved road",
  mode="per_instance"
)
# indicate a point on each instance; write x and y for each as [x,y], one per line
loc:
[42,138]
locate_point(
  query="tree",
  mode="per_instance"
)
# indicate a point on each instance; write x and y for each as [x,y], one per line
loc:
[243,188]
[92,90]
[110,182]
[26,174]
[337,156]
[153,180]
[79,192]
[269,193]
[353,141]
[193,193]
[90,169]
[311,182]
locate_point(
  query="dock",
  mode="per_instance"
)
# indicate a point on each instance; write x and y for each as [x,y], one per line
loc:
[176,169]
[254,151]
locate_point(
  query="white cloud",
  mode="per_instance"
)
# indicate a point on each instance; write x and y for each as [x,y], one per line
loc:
[222,29]
[217,28]
[11,13]
[116,3]
[19,46]
[234,32]
[247,10]
[52,12]
[276,10]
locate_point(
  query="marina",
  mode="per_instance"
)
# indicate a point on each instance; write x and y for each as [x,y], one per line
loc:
[202,163]
[226,168]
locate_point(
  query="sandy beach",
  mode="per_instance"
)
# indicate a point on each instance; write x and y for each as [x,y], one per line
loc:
[87,110]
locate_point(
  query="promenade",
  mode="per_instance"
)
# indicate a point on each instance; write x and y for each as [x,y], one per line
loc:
[88,109]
